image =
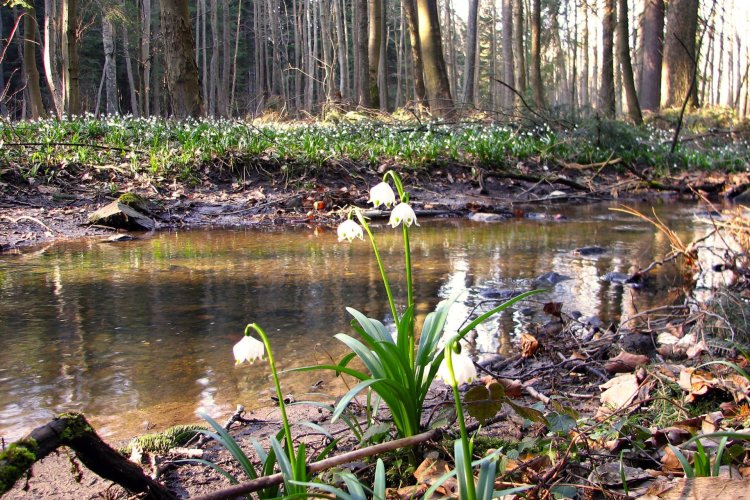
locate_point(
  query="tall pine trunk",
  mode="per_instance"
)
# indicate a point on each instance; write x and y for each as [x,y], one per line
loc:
[634,109]
[607,102]
[179,50]
[508,62]
[435,73]
[653,44]
[471,53]
[536,54]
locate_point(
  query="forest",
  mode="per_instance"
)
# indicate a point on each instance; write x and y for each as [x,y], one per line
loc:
[301,58]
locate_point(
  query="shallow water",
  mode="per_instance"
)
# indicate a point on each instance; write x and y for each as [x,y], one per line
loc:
[139,334]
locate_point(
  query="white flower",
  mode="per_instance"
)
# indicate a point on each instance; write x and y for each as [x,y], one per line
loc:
[348,230]
[402,213]
[382,194]
[248,349]
[463,368]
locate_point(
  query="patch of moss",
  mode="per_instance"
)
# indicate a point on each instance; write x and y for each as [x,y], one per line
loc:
[134,201]
[76,426]
[14,461]
[163,441]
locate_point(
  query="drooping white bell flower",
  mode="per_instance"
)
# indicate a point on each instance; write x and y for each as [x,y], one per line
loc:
[463,369]
[348,230]
[382,194]
[402,213]
[248,349]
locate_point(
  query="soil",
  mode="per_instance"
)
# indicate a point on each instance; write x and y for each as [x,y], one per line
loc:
[33,213]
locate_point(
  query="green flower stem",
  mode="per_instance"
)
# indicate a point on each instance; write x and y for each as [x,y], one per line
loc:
[409,291]
[461,422]
[387,285]
[282,406]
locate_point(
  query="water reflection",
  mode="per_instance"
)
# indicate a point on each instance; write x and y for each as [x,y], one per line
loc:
[140,333]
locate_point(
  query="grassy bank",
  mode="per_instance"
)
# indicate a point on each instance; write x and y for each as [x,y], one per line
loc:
[186,149]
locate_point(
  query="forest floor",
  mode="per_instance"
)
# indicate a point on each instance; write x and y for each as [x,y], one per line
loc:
[37,212]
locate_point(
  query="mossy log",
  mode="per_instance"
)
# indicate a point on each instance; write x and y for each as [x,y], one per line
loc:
[73,430]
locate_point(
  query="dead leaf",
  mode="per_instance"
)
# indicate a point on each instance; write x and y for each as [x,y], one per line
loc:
[553,309]
[513,388]
[696,383]
[618,393]
[529,345]
[625,362]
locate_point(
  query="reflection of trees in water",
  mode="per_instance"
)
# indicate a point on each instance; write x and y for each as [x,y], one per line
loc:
[112,328]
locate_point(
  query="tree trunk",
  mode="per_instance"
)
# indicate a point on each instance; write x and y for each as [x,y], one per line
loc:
[362,82]
[519,54]
[3,45]
[435,73]
[374,40]
[653,44]
[508,62]
[110,66]
[70,60]
[213,86]
[342,50]
[420,92]
[230,111]
[634,109]
[679,52]
[49,54]
[585,99]
[181,70]
[145,62]
[470,63]
[536,54]
[607,103]
[31,73]
[226,61]
[129,70]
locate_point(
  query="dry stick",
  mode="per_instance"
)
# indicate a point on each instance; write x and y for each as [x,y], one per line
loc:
[29,218]
[265,481]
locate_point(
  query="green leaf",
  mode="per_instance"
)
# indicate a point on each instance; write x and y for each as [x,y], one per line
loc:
[444,417]
[484,402]
[527,413]
[375,431]
[559,423]
[347,398]
[379,486]
[686,467]
[486,481]
[463,481]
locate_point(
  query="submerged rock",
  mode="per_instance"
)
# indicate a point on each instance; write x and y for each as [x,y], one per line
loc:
[551,278]
[615,277]
[118,238]
[487,217]
[590,250]
[499,294]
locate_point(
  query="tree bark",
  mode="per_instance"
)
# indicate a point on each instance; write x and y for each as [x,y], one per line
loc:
[212,103]
[508,70]
[634,109]
[31,73]
[49,54]
[519,54]
[110,66]
[342,50]
[3,45]
[145,62]
[607,103]
[70,60]
[226,62]
[374,40]
[129,70]
[585,99]
[181,69]
[679,52]
[420,91]
[435,73]
[72,430]
[536,54]
[471,53]
[362,83]
[653,44]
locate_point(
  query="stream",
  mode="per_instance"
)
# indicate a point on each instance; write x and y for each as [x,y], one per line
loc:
[139,334]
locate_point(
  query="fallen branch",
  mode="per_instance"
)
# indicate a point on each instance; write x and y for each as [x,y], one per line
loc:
[72,430]
[265,481]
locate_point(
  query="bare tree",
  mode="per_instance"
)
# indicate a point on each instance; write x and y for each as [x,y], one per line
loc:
[374,41]
[110,65]
[634,109]
[179,50]
[679,52]
[536,54]
[70,60]
[435,73]
[420,91]
[471,53]
[31,72]
[653,44]
[607,86]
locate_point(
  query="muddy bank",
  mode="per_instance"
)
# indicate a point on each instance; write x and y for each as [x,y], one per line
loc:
[35,213]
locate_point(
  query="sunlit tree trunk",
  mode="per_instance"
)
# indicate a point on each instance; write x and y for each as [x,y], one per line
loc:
[342,49]
[70,60]
[49,56]
[31,73]
[471,53]
[536,54]
[679,52]
[653,44]
[634,109]
[129,70]
[585,99]
[607,103]
[519,53]
[179,50]
[226,60]
[374,40]
[362,73]
[508,61]
[110,65]
[145,61]
[420,92]
[435,73]
[3,45]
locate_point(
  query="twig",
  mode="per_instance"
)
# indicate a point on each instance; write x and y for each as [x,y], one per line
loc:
[265,481]
[30,218]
